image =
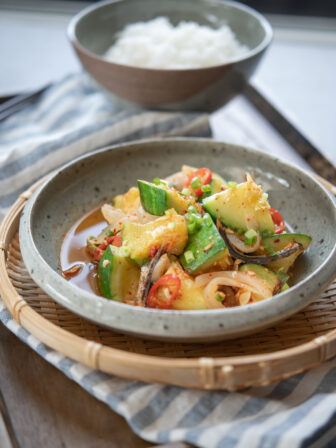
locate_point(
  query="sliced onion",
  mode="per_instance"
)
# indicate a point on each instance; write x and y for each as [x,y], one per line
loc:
[144,217]
[210,297]
[177,180]
[116,217]
[160,268]
[244,297]
[112,214]
[240,245]
[256,286]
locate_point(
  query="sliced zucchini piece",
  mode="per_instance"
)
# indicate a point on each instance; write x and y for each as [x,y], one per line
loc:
[169,232]
[118,276]
[190,296]
[279,242]
[242,207]
[202,247]
[156,199]
[269,277]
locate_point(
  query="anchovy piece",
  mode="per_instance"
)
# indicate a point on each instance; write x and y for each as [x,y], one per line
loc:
[146,279]
[257,259]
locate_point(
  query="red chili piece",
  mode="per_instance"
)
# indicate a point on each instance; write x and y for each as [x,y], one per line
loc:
[152,251]
[169,281]
[205,176]
[278,221]
[115,240]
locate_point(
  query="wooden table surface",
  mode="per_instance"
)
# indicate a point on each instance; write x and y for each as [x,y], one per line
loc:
[41,407]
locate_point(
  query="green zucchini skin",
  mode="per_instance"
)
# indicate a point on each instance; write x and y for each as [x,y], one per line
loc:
[278,242]
[239,208]
[197,245]
[269,277]
[104,272]
[118,276]
[156,199]
[153,198]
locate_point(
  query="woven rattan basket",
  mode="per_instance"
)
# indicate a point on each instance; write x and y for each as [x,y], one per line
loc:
[297,344]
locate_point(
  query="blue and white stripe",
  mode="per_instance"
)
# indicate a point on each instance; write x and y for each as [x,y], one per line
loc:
[297,412]
[71,118]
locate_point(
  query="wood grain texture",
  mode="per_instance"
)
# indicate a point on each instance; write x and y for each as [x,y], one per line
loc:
[7,435]
[48,410]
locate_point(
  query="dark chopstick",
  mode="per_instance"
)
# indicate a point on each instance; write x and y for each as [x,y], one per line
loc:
[17,103]
[302,145]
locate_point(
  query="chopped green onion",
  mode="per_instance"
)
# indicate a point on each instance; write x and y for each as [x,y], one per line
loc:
[270,251]
[195,183]
[192,209]
[189,256]
[124,251]
[264,197]
[266,233]
[250,237]
[191,218]
[250,233]
[206,188]
[207,220]
[109,233]
[185,192]
[158,181]
[232,184]
[199,221]
[283,277]
[192,227]
[219,297]
[240,232]
[284,287]
[250,241]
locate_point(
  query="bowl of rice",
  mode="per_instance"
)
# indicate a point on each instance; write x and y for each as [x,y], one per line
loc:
[172,55]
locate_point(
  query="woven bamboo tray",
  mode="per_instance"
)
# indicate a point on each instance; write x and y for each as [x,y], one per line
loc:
[297,344]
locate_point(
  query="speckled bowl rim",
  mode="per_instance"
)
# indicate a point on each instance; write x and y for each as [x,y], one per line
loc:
[71,33]
[173,324]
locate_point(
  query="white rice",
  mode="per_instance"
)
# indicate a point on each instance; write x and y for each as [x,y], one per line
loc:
[158,44]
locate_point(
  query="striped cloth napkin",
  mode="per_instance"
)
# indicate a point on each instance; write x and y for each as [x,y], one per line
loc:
[71,118]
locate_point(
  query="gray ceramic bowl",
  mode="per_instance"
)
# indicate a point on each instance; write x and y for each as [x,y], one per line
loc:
[93,30]
[73,191]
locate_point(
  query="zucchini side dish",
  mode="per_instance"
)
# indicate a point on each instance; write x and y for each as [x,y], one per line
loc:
[193,241]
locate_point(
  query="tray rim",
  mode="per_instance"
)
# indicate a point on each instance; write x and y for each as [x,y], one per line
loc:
[230,373]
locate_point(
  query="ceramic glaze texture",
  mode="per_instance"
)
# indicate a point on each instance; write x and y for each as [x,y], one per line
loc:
[79,186]
[93,31]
